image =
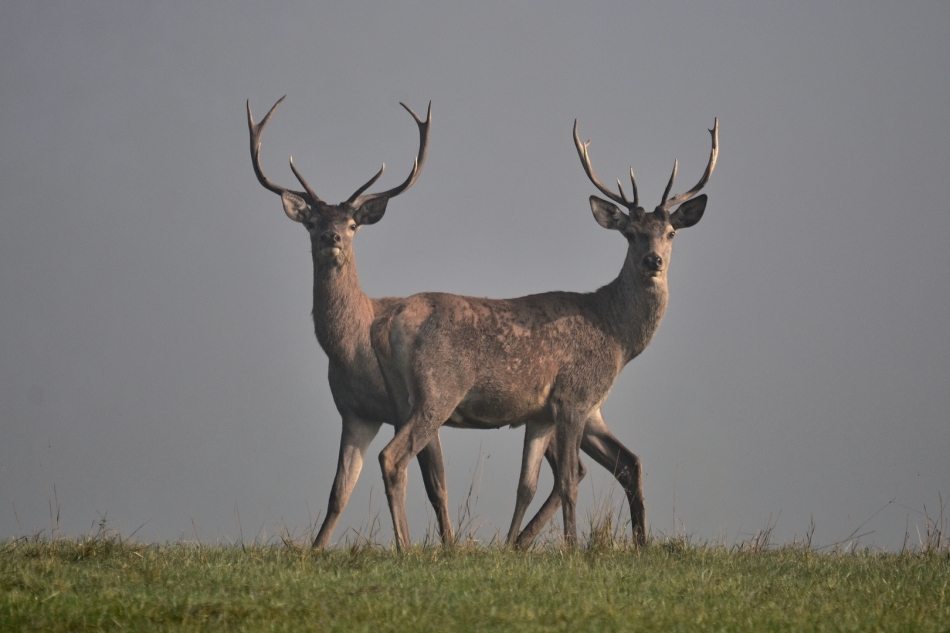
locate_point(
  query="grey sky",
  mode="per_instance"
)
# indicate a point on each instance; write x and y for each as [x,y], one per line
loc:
[157,358]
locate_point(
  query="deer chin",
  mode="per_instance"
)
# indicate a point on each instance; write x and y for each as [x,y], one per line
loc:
[330,251]
[652,275]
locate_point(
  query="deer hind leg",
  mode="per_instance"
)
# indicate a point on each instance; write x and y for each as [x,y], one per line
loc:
[568,432]
[430,463]
[552,503]
[356,438]
[394,460]
[433,476]
[417,433]
[430,457]
[418,425]
[537,436]
[607,451]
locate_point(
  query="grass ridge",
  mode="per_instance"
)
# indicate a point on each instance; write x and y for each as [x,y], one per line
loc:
[107,582]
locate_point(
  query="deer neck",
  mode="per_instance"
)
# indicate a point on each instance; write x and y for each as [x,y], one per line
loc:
[342,313]
[633,308]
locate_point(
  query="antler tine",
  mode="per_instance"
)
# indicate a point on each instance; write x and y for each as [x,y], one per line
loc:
[633,185]
[313,196]
[669,185]
[713,155]
[369,183]
[357,200]
[585,162]
[622,194]
[256,130]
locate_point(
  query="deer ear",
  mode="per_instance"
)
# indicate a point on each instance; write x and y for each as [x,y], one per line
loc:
[294,206]
[371,212]
[688,213]
[608,215]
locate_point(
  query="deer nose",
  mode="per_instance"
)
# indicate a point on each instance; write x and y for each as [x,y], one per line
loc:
[331,237]
[652,261]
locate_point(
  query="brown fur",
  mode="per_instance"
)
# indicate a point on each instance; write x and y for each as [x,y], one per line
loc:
[342,315]
[548,360]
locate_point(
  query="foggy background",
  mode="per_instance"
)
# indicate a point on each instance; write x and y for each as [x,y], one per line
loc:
[157,358]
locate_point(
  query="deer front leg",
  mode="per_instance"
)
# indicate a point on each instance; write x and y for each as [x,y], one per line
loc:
[600,444]
[536,441]
[355,439]
[433,476]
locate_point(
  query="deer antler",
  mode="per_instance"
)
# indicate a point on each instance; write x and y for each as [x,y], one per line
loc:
[303,182]
[683,197]
[357,200]
[585,161]
[256,130]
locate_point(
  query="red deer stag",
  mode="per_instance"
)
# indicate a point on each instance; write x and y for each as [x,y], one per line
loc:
[547,360]
[342,315]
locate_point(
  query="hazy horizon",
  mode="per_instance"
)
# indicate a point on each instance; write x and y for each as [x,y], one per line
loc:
[157,357]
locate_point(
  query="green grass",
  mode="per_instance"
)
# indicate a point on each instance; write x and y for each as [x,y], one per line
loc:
[105,583]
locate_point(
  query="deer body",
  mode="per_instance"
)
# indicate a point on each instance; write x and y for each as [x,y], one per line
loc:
[548,359]
[537,350]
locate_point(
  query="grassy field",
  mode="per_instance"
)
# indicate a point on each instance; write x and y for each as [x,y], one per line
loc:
[106,583]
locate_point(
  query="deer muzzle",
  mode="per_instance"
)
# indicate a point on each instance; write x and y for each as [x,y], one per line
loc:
[652,263]
[330,243]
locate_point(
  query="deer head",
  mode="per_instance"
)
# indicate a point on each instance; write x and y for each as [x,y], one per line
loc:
[649,235]
[332,226]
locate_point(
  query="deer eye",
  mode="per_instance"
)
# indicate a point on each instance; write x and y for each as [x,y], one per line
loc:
[353,227]
[671,235]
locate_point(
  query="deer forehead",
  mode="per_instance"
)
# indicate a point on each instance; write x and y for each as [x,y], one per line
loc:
[651,224]
[325,216]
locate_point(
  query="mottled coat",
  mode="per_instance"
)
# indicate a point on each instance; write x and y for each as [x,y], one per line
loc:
[547,360]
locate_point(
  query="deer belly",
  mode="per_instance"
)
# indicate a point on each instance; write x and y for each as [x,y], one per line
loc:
[502,406]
